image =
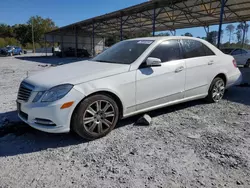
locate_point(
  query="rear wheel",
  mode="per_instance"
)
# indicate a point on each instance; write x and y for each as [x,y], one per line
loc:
[95,117]
[247,64]
[216,90]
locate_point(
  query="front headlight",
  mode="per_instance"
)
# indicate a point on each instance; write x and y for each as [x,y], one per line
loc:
[56,93]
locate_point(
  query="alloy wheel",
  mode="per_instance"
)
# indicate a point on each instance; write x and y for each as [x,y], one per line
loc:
[218,90]
[98,117]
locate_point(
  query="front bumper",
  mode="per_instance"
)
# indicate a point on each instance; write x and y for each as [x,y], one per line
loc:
[59,118]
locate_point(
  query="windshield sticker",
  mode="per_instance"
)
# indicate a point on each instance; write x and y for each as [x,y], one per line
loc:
[145,42]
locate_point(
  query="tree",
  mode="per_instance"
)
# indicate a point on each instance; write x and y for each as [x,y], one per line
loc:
[6,30]
[212,37]
[188,34]
[239,32]
[230,30]
[163,34]
[23,32]
[246,28]
[40,26]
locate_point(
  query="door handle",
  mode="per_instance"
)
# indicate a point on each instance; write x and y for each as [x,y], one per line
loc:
[210,62]
[179,69]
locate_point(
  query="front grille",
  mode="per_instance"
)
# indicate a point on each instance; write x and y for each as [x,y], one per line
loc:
[24,92]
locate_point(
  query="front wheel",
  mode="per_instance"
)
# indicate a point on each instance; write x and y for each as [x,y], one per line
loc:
[95,117]
[216,90]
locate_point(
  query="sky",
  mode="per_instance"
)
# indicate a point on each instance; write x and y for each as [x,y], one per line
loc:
[64,12]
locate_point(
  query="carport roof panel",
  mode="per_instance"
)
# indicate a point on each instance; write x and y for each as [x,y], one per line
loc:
[170,15]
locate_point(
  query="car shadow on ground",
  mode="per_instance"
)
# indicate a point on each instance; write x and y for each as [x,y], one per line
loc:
[19,138]
[50,59]
[239,94]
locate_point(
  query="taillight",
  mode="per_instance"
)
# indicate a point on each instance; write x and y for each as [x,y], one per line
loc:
[235,64]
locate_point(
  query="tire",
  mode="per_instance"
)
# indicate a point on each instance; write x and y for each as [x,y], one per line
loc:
[247,65]
[99,121]
[215,94]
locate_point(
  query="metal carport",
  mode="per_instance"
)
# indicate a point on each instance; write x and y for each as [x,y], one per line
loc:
[154,16]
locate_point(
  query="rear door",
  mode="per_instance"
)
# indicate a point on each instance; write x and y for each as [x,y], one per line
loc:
[200,64]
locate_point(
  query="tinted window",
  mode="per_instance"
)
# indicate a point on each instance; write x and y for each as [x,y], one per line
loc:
[167,51]
[193,48]
[208,51]
[125,52]
[227,50]
[243,51]
[236,52]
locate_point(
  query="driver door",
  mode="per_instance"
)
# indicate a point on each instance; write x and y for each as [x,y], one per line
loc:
[161,84]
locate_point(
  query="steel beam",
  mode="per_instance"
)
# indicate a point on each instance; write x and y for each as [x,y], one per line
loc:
[223,2]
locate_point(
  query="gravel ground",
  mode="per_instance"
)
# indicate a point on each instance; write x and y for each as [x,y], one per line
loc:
[189,145]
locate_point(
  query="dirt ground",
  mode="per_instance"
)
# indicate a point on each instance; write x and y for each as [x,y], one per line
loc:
[191,145]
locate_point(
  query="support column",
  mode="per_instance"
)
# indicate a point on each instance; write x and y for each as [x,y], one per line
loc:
[223,2]
[61,45]
[244,34]
[154,17]
[76,41]
[53,43]
[93,38]
[121,28]
[45,45]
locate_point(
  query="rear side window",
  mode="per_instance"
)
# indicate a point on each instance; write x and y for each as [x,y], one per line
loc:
[193,48]
[243,51]
[167,51]
[236,52]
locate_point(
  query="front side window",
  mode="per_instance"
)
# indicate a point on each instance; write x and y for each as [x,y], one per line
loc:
[167,51]
[125,52]
[194,48]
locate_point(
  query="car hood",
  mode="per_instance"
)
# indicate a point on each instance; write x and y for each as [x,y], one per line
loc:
[74,73]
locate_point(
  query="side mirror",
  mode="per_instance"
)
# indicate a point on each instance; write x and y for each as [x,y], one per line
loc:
[153,62]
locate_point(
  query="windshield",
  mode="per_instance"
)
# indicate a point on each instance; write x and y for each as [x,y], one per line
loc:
[9,48]
[125,52]
[227,51]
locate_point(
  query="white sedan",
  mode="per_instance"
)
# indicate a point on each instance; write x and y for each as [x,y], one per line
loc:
[241,56]
[131,77]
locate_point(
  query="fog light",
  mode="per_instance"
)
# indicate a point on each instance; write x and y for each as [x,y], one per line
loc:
[44,122]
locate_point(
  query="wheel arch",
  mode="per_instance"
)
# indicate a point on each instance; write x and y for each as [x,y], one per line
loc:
[222,76]
[102,92]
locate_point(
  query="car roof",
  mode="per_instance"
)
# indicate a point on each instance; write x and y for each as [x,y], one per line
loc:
[158,38]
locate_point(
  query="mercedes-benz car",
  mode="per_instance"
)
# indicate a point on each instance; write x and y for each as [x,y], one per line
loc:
[131,77]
